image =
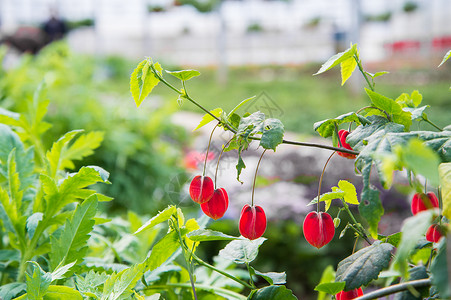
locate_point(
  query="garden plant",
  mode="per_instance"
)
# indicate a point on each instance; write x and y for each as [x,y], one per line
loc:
[56,243]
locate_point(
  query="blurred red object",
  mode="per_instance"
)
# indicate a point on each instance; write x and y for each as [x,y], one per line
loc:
[194,159]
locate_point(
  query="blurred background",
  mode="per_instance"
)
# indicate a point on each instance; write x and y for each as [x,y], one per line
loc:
[85,51]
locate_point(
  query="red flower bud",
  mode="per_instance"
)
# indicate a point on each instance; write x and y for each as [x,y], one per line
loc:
[434,233]
[201,189]
[216,207]
[252,222]
[349,294]
[342,134]
[422,201]
[318,228]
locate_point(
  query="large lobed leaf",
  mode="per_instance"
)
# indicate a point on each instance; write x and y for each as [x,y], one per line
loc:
[364,265]
[273,292]
[444,170]
[242,251]
[120,285]
[71,245]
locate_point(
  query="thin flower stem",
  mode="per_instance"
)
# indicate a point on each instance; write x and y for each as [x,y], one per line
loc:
[255,177]
[396,288]
[188,264]
[208,149]
[227,125]
[359,64]
[321,180]
[219,157]
[432,124]
[373,107]
[250,274]
[358,227]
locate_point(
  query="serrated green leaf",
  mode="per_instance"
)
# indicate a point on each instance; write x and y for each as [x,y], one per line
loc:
[326,128]
[207,118]
[57,292]
[330,288]
[38,283]
[55,155]
[83,146]
[72,243]
[184,75]
[328,197]
[439,270]
[445,58]
[90,282]
[121,284]
[203,235]
[347,68]
[273,292]
[364,265]
[393,239]
[242,251]
[413,229]
[142,80]
[240,165]
[159,218]
[370,206]
[337,59]
[350,193]
[410,101]
[444,171]
[272,277]
[416,113]
[392,108]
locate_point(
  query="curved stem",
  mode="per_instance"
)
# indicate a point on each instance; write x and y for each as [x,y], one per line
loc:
[226,125]
[432,124]
[358,227]
[321,180]
[205,264]
[396,288]
[255,177]
[219,157]
[208,149]
[170,286]
[373,107]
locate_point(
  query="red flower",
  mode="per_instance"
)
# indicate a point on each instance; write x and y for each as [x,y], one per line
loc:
[216,207]
[252,222]
[349,294]
[318,229]
[193,158]
[342,134]
[201,189]
[434,233]
[422,201]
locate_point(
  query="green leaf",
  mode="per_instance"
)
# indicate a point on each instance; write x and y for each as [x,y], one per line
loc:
[326,128]
[377,74]
[72,243]
[202,235]
[392,108]
[370,206]
[445,58]
[142,80]
[328,197]
[240,105]
[444,171]
[272,135]
[55,156]
[393,239]
[273,292]
[38,283]
[417,113]
[364,265]
[410,101]
[328,276]
[11,290]
[84,146]
[184,75]
[90,282]
[439,270]
[58,292]
[415,273]
[347,68]
[242,251]
[413,229]
[330,288]
[271,277]
[337,59]
[350,193]
[32,223]
[121,284]
[159,218]
[207,118]
[240,165]
[162,250]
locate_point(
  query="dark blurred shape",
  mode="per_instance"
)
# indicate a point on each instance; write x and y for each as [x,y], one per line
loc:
[26,39]
[55,29]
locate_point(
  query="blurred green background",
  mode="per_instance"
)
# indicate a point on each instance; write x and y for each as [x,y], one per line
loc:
[143,150]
